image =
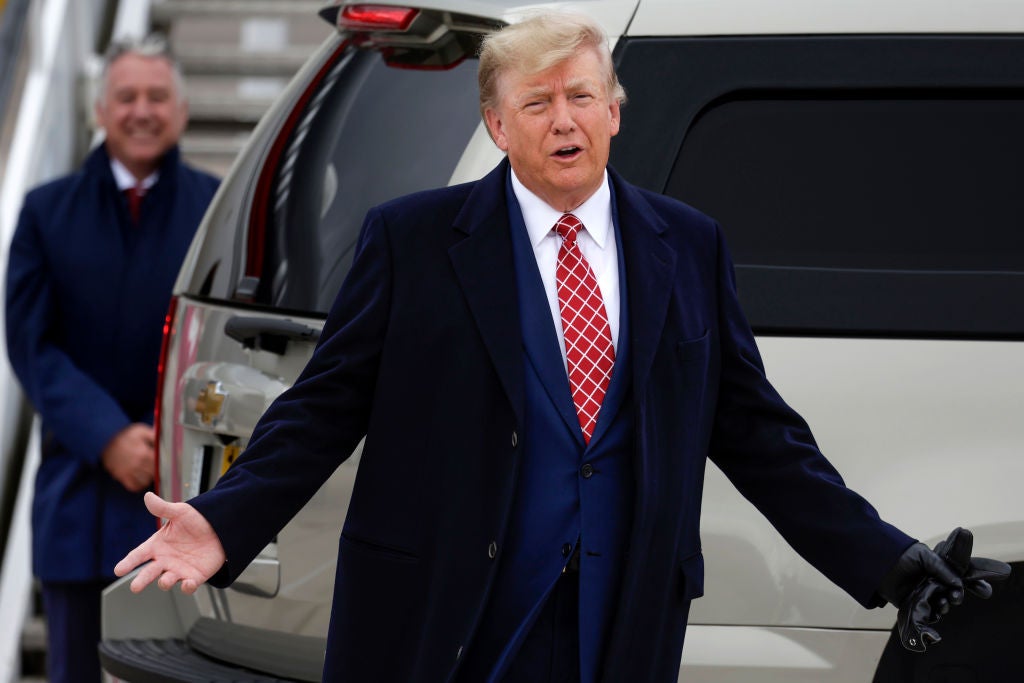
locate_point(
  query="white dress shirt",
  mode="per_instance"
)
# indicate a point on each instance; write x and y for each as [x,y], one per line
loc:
[596,241]
[126,181]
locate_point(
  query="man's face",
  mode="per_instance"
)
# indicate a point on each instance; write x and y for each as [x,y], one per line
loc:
[142,112]
[556,127]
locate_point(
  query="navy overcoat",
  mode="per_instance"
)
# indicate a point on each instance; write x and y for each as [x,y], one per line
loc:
[87,292]
[422,353]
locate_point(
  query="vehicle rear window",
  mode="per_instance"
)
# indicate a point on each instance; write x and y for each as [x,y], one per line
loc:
[865,185]
[861,182]
[375,133]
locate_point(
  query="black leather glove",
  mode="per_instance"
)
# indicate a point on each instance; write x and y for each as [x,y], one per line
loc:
[924,584]
[977,573]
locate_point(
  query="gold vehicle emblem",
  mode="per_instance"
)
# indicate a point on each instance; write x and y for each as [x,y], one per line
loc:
[210,402]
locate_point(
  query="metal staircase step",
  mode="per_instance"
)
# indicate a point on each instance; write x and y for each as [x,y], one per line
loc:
[213,152]
[167,11]
[33,647]
[33,635]
[229,60]
[226,109]
[214,145]
[230,99]
[237,57]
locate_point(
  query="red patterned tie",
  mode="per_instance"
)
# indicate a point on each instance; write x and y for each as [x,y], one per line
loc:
[588,338]
[135,194]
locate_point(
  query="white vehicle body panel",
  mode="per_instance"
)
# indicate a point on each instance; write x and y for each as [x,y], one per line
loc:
[791,17]
[887,413]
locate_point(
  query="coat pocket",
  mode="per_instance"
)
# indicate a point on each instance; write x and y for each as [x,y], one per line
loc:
[378,597]
[371,549]
[691,569]
[693,350]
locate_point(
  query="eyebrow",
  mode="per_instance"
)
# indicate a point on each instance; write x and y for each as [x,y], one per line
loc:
[582,83]
[534,93]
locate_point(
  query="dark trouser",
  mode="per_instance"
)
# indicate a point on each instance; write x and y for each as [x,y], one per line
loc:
[551,651]
[73,630]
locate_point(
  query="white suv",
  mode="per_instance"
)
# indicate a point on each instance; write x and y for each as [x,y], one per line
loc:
[864,160]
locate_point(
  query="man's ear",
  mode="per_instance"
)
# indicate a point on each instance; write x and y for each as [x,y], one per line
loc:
[183,114]
[97,113]
[494,127]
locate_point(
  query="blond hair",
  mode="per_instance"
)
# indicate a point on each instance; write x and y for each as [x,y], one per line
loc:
[538,43]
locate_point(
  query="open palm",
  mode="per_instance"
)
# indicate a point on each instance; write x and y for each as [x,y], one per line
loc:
[185,549]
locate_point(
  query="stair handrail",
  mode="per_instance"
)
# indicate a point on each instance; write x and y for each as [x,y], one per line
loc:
[50,132]
[16,575]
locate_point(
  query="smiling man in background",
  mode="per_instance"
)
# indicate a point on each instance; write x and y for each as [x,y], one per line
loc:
[92,263]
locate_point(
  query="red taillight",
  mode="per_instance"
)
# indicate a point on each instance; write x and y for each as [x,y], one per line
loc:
[172,308]
[376,17]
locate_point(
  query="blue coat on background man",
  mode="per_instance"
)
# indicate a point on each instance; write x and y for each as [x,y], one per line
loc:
[87,292]
[423,353]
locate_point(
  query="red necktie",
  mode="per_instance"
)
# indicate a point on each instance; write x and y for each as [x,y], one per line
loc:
[135,194]
[588,337]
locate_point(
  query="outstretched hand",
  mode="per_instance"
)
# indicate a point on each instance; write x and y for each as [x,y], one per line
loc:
[925,583]
[185,549]
[977,572]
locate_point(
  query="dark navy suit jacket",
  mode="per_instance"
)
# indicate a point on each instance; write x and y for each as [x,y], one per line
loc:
[87,293]
[423,353]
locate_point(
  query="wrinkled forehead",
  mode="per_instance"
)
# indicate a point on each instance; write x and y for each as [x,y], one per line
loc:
[134,71]
[580,70]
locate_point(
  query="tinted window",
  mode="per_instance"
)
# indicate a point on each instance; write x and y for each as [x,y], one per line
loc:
[376,133]
[861,182]
[865,185]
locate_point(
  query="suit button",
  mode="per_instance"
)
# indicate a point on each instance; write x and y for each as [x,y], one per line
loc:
[587,471]
[515,439]
[492,550]
[566,549]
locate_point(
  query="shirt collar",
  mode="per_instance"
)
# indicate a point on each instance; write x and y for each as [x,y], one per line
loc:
[539,216]
[125,180]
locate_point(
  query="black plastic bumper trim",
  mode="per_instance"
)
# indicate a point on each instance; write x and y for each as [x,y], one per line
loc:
[169,661]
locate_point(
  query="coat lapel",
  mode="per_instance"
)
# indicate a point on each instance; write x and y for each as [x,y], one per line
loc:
[484,267]
[650,271]
[540,340]
[621,373]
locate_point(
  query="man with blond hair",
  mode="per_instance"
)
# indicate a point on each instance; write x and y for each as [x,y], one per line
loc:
[541,363]
[92,262]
